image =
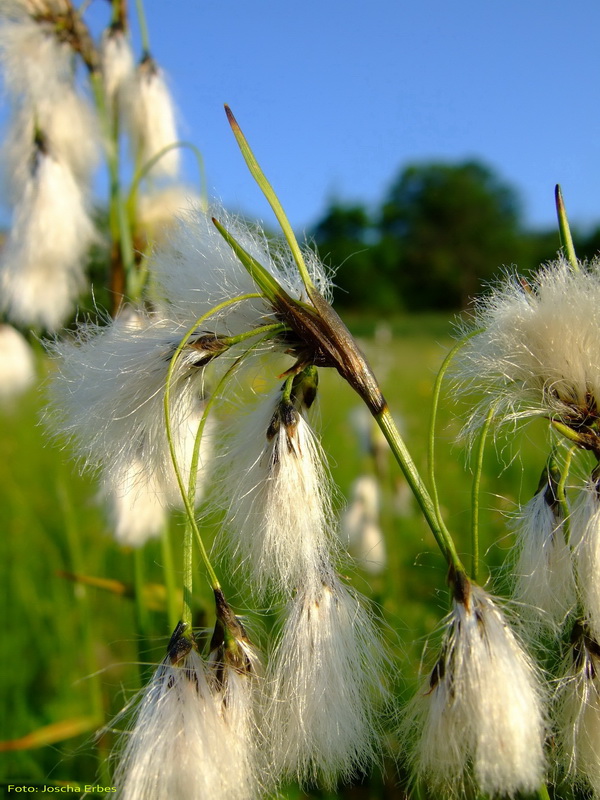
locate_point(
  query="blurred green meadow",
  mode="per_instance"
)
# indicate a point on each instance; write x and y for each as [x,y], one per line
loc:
[75,645]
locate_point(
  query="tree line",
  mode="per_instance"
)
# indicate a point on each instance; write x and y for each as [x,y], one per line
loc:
[442,231]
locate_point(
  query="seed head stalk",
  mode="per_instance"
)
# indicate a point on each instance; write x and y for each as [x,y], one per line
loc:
[442,535]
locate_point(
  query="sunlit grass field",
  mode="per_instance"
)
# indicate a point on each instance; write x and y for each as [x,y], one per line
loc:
[74,654]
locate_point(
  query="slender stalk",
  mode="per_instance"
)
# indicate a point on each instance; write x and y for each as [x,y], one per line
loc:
[272,199]
[141,14]
[122,251]
[434,409]
[561,492]
[188,574]
[146,168]
[442,535]
[475,493]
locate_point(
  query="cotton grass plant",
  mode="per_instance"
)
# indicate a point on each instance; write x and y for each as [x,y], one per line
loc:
[195,396]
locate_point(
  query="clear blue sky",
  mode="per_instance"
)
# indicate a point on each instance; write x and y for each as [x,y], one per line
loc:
[336,96]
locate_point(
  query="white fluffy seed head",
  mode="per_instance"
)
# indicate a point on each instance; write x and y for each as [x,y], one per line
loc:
[36,65]
[578,713]
[184,743]
[196,269]
[41,267]
[537,352]
[108,397]
[360,528]
[117,66]
[325,684]
[585,533]
[17,364]
[279,524]
[150,118]
[544,582]
[481,709]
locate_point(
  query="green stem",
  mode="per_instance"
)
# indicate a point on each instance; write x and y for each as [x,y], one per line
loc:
[120,232]
[146,168]
[141,13]
[475,493]
[561,492]
[271,197]
[188,573]
[435,405]
[442,535]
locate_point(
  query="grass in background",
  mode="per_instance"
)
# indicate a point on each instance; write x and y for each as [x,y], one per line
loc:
[70,653]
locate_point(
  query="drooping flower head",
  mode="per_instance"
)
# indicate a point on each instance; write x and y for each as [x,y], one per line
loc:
[578,704]
[325,683]
[480,717]
[544,580]
[279,525]
[185,741]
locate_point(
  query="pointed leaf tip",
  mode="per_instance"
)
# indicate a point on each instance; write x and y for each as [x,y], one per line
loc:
[230,117]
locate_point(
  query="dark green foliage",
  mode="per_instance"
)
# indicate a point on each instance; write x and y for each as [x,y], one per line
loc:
[442,232]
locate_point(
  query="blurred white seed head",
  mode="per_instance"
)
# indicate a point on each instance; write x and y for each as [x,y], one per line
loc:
[481,709]
[325,679]
[151,118]
[578,717]
[585,537]
[41,266]
[135,504]
[544,579]
[70,135]
[537,352]
[17,364]
[108,393]
[157,210]
[182,743]
[279,523]
[117,66]
[36,65]
[360,528]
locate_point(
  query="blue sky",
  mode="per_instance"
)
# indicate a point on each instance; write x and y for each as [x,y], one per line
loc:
[335,97]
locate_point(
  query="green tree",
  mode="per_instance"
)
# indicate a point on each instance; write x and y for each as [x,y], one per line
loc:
[346,239]
[445,228]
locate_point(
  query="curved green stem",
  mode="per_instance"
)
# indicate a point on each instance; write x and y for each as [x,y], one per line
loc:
[475,493]
[187,494]
[146,168]
[434,409]
[442,535]
[561,492]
